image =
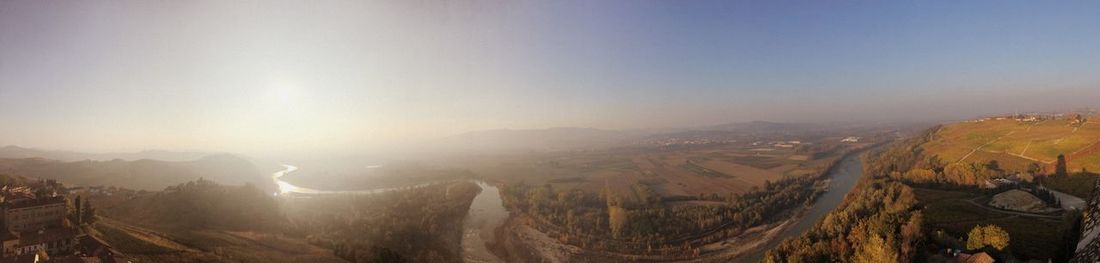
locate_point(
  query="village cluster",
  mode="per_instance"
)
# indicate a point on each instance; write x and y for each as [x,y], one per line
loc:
[44,222]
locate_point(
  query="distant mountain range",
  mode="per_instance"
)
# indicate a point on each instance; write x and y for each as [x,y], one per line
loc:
[571,138]
[509,140]
[147,170]
[141,174]
[12,151]
[154,170]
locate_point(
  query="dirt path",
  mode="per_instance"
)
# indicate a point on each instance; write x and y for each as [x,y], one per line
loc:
[984,145]
[1068,201]
[971,201]
[147,235]
[1094,147]
[1025,148]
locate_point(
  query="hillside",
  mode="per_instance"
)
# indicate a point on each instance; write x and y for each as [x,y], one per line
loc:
[201,204]
[142,174]
[200,221]
[911,207]
[1016,144]
[413,224]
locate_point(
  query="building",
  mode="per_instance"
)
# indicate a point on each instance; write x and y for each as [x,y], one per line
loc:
[34,214]
[8,243]
[975,258]
[96,248]
[54,241]
[34,227]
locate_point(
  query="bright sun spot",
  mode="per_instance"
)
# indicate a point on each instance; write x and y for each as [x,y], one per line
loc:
[284,92]
[281,91]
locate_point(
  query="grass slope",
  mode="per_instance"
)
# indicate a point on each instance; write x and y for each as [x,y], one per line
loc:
[1017,144]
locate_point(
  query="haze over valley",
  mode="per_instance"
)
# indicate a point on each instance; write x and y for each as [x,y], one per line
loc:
[549,131]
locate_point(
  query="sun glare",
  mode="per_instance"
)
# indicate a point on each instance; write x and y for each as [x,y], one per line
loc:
[284,92]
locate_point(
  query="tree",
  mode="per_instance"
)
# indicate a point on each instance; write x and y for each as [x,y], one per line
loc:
[1034,168]
[991,235]
[993,165]
[78,217]
[995,237]
[910,236]
[875,250]
[88,213]
[1060,167]
[921,175]
[1071,234]
[616,214]
[617,219]
[935,163]
[959,173]
[976,238]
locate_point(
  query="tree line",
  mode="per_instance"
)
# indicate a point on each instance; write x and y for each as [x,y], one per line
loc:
[652,225]
[879,221]
[417,224]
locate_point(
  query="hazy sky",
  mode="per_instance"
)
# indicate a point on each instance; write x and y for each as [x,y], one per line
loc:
[281,76]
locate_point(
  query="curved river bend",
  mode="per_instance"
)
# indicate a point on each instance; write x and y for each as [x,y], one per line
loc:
[487,210]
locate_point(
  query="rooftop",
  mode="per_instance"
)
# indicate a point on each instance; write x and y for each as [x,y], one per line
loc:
[23,203]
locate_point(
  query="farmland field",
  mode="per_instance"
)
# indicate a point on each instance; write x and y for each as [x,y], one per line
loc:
[729,168]
[1017,144]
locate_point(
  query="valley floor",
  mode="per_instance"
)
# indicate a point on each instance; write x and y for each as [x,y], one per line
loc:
[524,243]
[141,244]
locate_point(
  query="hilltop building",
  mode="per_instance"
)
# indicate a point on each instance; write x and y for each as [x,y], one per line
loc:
[34,228]
[54,241]
[34,214]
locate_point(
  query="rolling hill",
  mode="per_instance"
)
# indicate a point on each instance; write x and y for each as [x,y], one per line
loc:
[1016,144]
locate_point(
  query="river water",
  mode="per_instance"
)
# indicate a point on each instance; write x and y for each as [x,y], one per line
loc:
[487,210]
[843,178]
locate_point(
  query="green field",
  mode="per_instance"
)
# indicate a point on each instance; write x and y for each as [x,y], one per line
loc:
[1017,144]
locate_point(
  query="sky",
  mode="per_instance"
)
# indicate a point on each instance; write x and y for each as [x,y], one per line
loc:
[264,76]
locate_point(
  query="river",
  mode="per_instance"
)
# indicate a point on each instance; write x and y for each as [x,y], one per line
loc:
[486,213]
[843,178]
[487,210]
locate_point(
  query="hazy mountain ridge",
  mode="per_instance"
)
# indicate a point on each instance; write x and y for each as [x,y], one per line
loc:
[144,174]
[578,138]
[558,138]
[13,151]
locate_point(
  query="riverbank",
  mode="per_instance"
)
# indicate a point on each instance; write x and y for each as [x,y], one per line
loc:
[521,242]
[524,242]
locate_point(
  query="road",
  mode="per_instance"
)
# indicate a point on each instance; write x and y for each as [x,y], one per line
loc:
[984,145]
[1068,201]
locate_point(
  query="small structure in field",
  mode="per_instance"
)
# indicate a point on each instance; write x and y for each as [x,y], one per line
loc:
[1017,200]
[975,258]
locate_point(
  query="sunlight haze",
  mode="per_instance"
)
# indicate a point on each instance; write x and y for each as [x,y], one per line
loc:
[332,75]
